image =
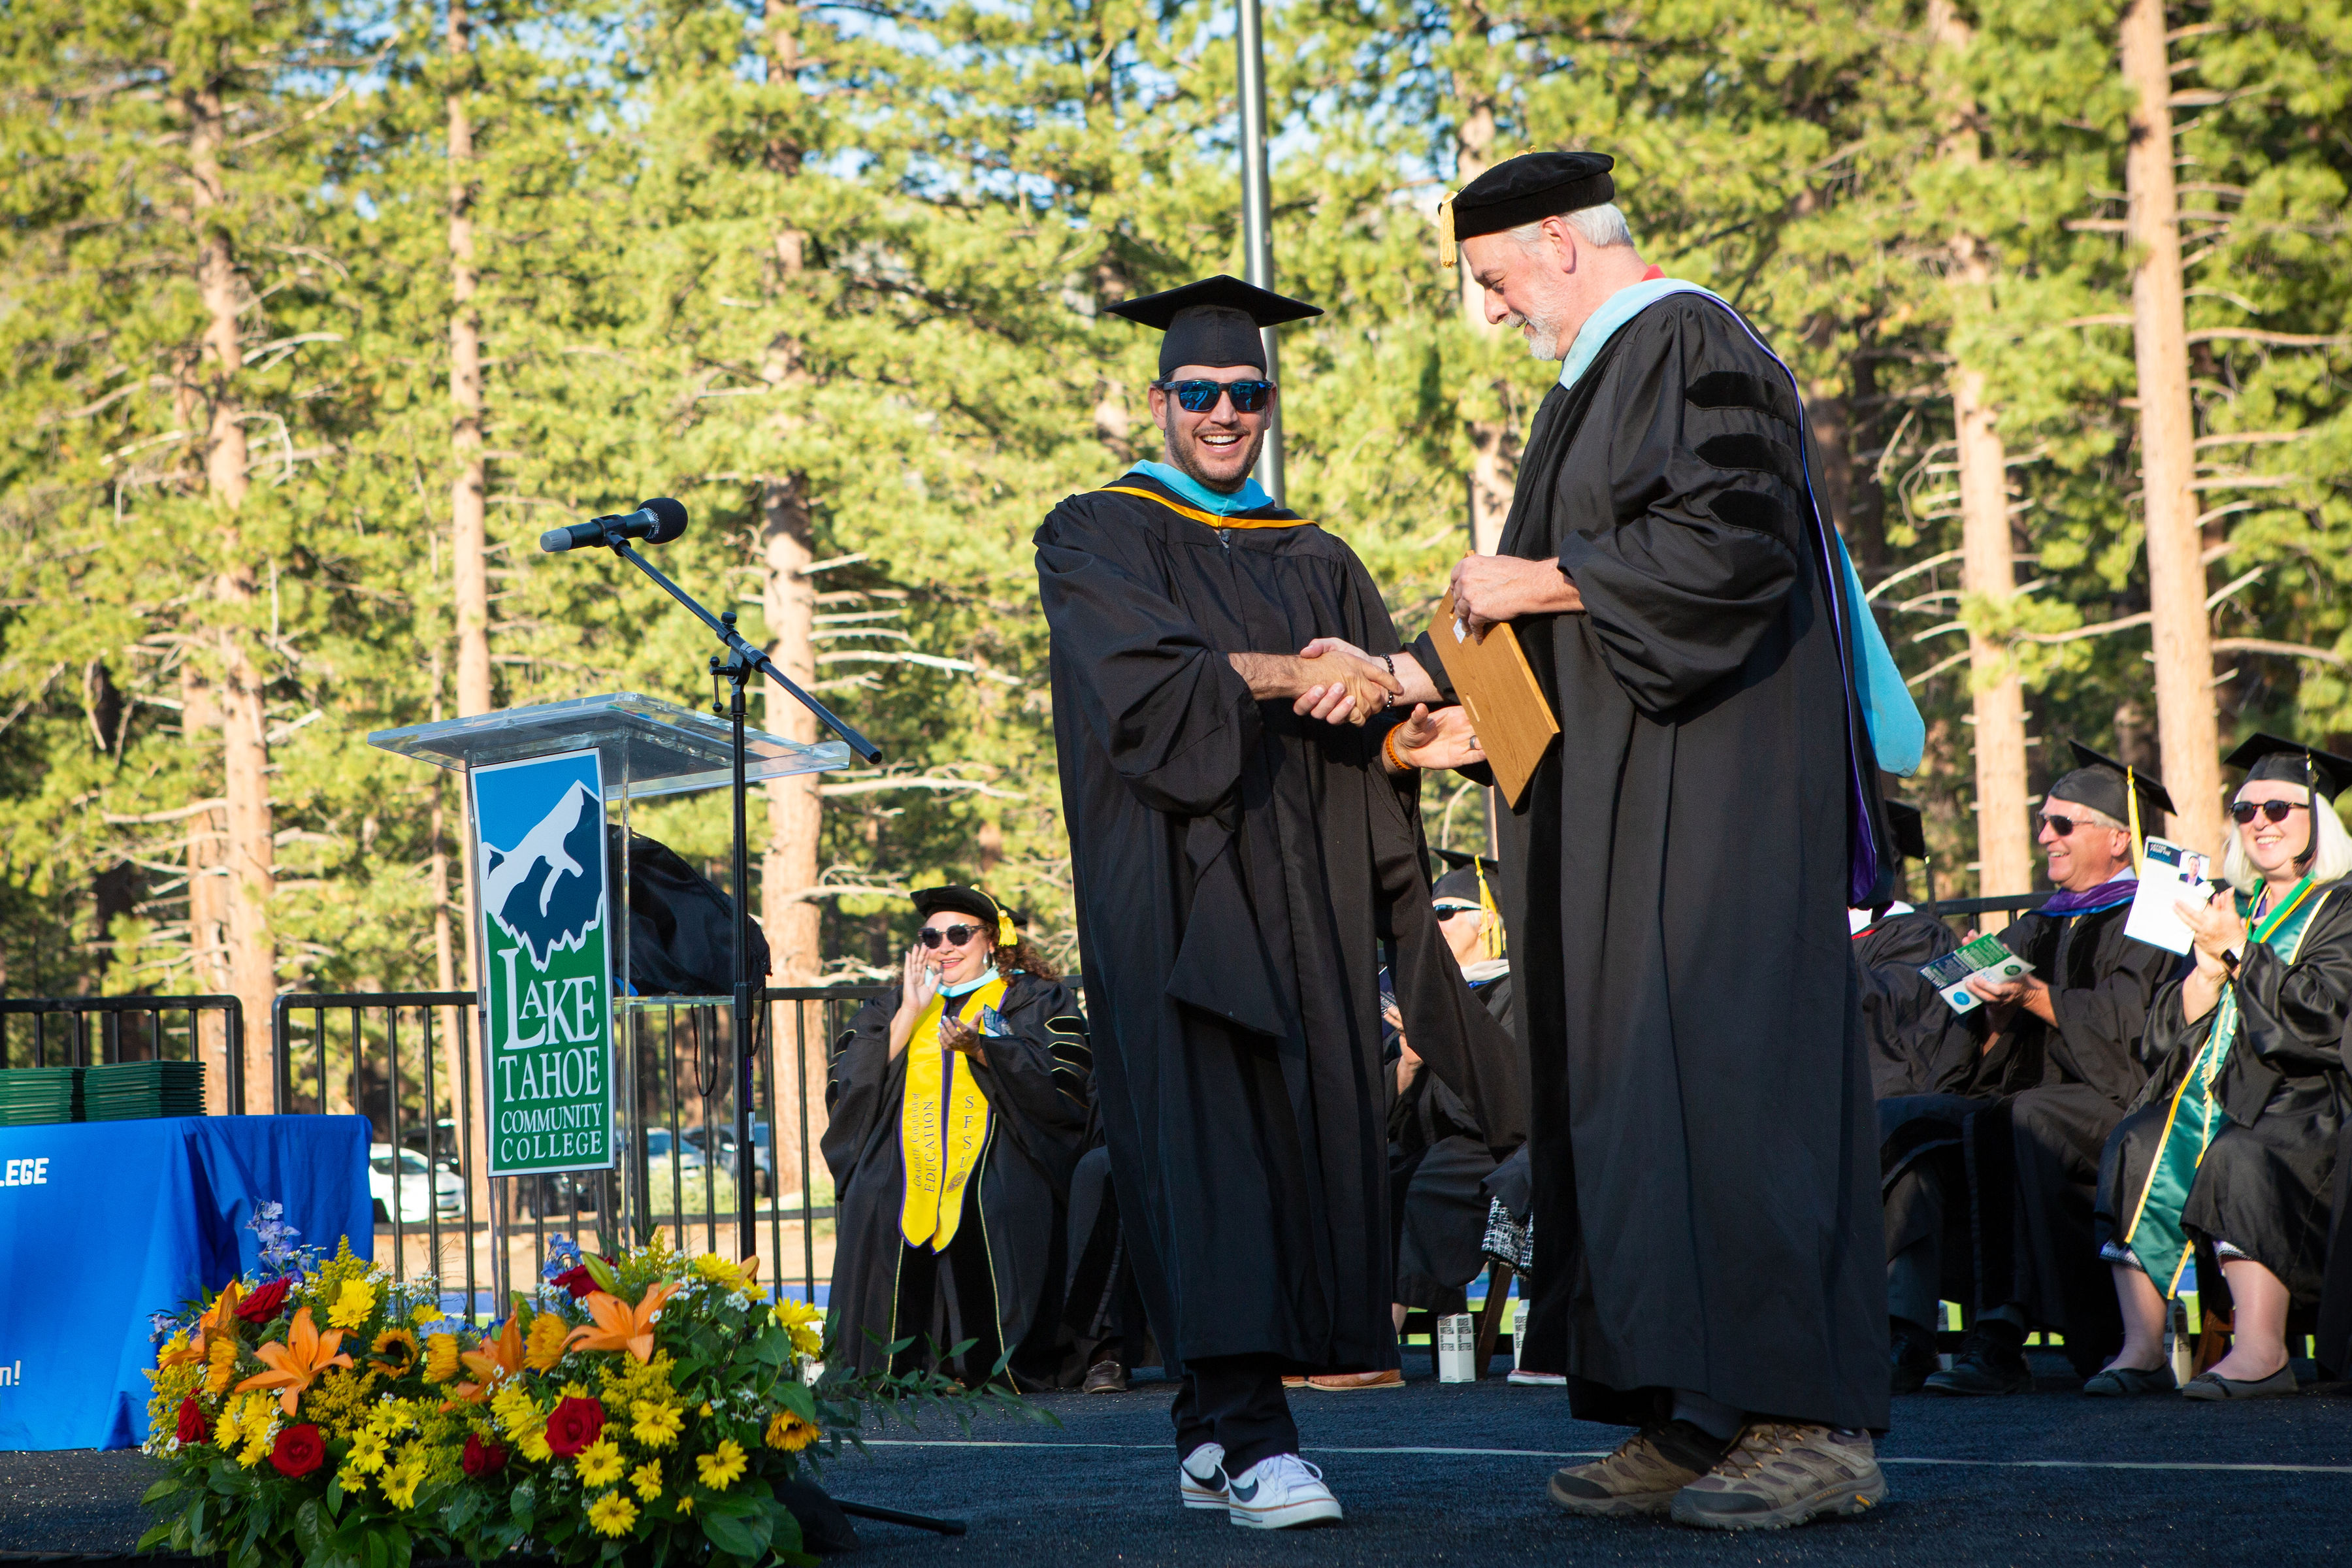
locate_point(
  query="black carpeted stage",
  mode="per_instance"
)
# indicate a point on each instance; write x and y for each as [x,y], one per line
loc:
[1437,1473]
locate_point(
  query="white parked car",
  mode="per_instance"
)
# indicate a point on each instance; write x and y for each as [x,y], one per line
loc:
[403,1185]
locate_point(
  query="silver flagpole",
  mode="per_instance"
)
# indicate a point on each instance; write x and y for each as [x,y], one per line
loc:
[1258,244]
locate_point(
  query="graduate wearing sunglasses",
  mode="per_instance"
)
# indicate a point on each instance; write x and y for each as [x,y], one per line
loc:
[958,1109]
[1243,830]
[2235,1141]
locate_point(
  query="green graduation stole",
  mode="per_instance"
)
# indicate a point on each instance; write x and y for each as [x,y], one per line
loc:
[2155,1235]
[942,1123]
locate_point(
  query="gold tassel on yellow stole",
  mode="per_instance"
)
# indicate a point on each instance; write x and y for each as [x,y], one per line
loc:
[1446,247]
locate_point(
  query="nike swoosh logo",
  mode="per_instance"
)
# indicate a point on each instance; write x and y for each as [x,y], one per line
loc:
[1241,1496]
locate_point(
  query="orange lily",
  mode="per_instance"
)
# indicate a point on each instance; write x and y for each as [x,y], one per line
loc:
[216,1319]
[493,1363]
[619,1326]
[297,1364]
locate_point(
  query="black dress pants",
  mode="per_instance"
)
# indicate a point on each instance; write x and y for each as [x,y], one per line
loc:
[1235,1401]
[944,1299]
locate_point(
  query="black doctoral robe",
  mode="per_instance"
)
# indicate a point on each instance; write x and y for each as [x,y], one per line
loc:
[1035,1081]
[1917,1044]
[1676,880]
[1998,1171]
[2267,1182]
[1235,868]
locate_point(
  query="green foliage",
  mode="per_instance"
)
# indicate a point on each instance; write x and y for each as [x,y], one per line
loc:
[728,252]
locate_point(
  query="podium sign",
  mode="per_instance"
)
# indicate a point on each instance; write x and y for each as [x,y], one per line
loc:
[546,919]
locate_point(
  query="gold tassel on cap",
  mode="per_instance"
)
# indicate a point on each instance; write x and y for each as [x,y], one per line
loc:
[2131,811]
[1007,934]
[1445,249]
[1492,935]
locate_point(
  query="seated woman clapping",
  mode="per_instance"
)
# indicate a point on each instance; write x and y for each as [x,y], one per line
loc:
[958,1109]
[2235,1139]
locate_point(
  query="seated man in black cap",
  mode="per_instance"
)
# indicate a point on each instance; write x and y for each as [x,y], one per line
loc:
[1917,1045]
[957,1107]
[1990,1183]
[1236,861]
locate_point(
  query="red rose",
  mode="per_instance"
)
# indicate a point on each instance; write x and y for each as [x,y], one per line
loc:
[577,1281]
[263,1304]
[194,1428]
[297,1451]
[574,1425]
[484,1459]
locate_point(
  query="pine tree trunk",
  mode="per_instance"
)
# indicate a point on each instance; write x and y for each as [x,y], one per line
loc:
[788,602]
[2187,728]
[1493,450]
[251,844]
[208,901]
[1987,559]
[468,521]
[1989,568]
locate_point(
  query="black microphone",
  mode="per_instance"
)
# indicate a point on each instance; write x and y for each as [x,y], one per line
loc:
[657,521]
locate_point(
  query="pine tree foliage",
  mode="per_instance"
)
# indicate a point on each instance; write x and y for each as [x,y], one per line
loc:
[857,259]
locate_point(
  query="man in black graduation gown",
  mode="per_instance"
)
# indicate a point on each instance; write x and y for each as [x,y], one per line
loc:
[1236,861]
[1676,876]
[1990,1183]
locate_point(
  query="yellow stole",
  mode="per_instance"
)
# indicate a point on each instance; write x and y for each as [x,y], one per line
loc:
[942,1123]
[1212,519]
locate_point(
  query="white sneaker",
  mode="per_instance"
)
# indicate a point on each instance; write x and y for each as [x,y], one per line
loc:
[1201,1478]
[1526,1379]
[1280,1492]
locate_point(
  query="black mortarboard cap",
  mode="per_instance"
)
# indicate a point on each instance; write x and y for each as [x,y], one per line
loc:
[2275,757]
[1460,884]
[1910,828]
[1524,189]
[1000,920]
[2097,781]
[1215,322]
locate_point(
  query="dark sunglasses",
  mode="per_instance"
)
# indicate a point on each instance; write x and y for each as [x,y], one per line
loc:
[2063,826]
[2241,812]
[954,936]
[1447,912]
[1200,396]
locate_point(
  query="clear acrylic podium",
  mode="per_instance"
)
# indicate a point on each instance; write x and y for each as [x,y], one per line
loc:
[647,748]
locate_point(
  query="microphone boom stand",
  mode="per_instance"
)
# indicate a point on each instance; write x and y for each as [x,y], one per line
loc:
[743,661]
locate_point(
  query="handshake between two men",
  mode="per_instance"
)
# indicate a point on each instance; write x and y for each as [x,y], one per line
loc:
[1335,682]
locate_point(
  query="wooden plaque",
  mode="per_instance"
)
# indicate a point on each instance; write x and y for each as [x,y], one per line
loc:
[1491,677]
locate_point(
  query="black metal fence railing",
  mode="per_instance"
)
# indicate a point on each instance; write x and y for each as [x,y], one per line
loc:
[2000,903]
[92,1031]
[404,1061]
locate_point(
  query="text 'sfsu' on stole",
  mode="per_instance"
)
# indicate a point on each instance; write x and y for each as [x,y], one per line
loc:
[548,1002]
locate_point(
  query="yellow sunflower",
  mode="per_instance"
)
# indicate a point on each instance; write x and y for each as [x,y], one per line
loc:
[612,1514]
[600,1463]
[648,1478]
[722,1468]
[790,1433]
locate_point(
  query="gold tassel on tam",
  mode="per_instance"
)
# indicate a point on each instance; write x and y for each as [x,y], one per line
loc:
[1445,250]
[1492,935]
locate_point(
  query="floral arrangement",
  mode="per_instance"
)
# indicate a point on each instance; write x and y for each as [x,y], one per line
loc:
[643,1406]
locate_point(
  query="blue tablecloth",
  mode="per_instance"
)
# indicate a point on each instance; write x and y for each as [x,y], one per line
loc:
[103,1223]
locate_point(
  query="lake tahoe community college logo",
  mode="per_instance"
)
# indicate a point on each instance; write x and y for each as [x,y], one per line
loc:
[539,827]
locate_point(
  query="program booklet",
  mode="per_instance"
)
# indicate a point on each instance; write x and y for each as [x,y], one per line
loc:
[1986,956]
[2168,874]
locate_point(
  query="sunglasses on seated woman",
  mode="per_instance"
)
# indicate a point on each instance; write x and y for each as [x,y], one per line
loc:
[954,936]
[2241,812]
[1200,396]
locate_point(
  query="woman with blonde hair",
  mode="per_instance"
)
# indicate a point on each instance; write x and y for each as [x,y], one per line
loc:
[2234,1141]
[958,1109]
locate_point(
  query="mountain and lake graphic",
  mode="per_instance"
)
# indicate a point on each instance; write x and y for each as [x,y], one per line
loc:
[547,892]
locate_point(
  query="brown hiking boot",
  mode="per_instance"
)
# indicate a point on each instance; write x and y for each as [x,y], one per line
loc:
[1778,1475]
[1645,1474]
